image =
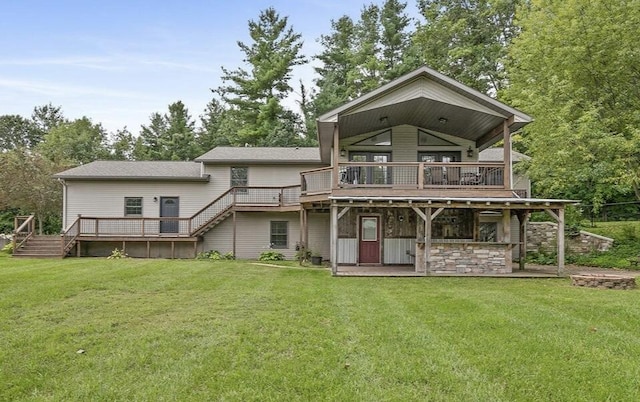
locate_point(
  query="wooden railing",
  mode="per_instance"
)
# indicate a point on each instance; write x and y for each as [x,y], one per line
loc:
[181,227]
[418,175]
[24,228]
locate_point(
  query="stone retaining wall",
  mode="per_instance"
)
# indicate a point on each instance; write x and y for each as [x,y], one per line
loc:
[465,258]
[604,281]
[541,238]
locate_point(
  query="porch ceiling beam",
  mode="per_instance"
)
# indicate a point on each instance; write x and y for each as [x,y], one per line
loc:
[496,131]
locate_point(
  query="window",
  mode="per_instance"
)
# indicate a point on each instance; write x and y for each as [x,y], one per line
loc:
[380,139]
[239,176]
[432,140]
[453,224]
[132,206]
[279,234]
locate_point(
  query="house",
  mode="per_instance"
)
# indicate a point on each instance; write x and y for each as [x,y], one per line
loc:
[396,182]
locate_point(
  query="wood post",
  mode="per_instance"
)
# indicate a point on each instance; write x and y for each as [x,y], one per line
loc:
[507,154]
[235,233]
[506,238]
[336,156]
[427,241]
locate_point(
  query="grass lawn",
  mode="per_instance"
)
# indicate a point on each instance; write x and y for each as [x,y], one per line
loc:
[199,330]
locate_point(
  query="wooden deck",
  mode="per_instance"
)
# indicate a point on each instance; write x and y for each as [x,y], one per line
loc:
[409,271]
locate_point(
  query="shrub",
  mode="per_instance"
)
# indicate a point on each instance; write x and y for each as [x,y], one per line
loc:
[271,256]
[8,248]
[215,255]
[117,254]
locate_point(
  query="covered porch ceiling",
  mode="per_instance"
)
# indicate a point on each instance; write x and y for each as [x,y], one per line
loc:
[425,99]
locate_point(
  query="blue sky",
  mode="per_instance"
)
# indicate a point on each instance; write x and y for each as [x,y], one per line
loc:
[119,61]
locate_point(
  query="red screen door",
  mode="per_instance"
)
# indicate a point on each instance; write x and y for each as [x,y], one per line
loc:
[369,240]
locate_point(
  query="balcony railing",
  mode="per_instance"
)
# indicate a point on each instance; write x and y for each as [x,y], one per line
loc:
[418,175]
[187,226]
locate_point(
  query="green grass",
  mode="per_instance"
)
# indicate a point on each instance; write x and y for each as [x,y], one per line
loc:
[626,237]
[198,330]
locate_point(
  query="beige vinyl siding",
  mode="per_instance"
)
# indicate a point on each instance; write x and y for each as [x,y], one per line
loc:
[404,145]
[320,234]
[424,88]
[106,198]
[253,234]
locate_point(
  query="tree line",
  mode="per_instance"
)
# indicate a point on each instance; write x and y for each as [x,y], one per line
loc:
[573,65]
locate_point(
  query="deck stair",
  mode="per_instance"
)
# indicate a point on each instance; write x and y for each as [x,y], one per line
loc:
[40,247]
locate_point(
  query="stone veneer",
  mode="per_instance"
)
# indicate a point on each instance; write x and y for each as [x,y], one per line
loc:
[541,237]
[470,258]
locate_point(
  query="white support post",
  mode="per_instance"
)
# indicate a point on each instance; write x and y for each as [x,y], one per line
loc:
[334,239]
[560,241]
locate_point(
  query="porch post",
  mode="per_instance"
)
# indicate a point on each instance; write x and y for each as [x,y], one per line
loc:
[427,241]
[234,233]
[507,154]
[523,217]
[336,156]
[560,241]
[334,238]
[506,239]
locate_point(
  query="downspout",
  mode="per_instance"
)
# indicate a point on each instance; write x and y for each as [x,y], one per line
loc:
[64,203]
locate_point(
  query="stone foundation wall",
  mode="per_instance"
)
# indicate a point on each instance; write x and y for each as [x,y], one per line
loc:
[541,238]
[470,258]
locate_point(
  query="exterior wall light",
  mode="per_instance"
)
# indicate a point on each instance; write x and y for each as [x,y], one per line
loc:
[470,152]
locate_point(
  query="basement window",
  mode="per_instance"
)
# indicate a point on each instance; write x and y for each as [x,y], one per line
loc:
[132,206]
[279,234]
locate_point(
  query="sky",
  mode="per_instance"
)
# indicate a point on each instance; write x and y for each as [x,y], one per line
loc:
[119,61]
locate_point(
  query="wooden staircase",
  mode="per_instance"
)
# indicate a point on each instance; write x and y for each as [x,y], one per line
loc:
[40,247]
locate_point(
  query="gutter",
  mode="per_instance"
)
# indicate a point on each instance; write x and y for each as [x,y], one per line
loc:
[64,203]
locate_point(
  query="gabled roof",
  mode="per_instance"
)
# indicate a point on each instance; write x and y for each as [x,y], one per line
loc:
[139,170]
[497,155]
[427,99]
[261,155]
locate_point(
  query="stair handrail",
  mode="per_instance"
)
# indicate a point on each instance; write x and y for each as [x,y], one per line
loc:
[219,205]
[70,235]
[28,224]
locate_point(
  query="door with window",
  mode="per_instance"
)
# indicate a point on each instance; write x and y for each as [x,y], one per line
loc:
[169,207]
[379,174]
[369,249]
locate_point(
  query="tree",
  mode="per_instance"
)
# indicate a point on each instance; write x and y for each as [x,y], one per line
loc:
[148,145]
[27,185]
[47,117]
[467,40]
[574,67]
[122,145]
[168,137]
[75,143]
[17,132]
[359,57]
[255,96]
[179,141]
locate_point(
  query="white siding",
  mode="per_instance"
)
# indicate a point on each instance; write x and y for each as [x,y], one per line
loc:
[395,251]
[347,251]
[106,198]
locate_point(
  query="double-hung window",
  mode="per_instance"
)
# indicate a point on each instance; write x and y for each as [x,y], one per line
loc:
[132,206]
[279,234]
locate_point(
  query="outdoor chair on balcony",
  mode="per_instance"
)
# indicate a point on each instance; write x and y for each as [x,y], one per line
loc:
[453,175]
[434,175]
[351,175]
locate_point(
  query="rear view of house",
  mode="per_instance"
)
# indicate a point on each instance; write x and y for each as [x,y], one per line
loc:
[397,181]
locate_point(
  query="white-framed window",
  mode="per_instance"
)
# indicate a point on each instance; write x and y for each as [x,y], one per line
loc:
[279,234]
[132,206]
[239,176]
